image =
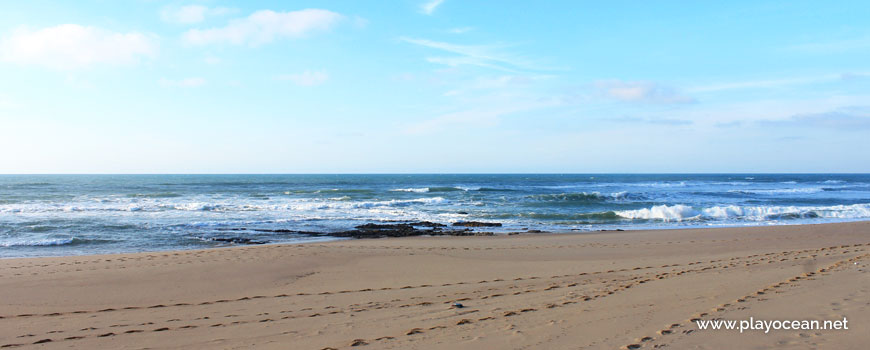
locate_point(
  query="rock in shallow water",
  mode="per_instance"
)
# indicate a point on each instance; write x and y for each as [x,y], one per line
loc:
[373,230]
[477,224]
[238,240]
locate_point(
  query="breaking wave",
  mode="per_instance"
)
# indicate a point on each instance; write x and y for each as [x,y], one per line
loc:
[681,212]
[581,197]
[781,190]
[43,242]
[417,190]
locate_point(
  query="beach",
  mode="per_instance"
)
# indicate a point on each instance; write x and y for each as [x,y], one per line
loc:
[597,290]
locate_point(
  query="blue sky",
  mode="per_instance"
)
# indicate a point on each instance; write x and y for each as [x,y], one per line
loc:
[434,86]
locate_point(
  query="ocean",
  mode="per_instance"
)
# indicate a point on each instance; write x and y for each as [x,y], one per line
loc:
[52,215]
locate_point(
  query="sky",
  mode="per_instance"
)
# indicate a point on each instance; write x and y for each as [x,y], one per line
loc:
[434,86]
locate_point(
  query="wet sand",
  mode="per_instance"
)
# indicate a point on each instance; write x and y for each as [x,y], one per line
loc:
[634,289]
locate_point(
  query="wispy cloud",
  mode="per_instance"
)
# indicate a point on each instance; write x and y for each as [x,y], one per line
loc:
[185,83]
[429,7]
[640,91]
[306,78]
[71,46]
[497,82]
[460,30]
[781,82]
[191,13]
[658,121]
[764,83]
[488,56]
[264,26]
[212,60]
[854,76]
[847,118]
[485,113]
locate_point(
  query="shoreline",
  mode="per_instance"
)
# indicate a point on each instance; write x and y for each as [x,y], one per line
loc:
[328,237]
[560,290]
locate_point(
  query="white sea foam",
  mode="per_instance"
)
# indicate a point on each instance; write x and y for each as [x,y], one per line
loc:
[780,190]
[213,205]
[666,213]
[417,190]
[581,196]
[657,184]
[681,212]
[37,242]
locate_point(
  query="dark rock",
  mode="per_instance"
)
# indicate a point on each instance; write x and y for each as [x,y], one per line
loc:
[376,230]
[238,240]
[274,231]
[477,224]
[427,224]
[462,212]
[372,230]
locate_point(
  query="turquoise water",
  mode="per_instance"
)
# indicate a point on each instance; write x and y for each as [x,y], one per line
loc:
[42,215]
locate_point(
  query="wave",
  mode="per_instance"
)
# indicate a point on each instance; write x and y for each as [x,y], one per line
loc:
[665,184]
[154,195]
[417,190]
[338,202]
[580,197]
[677,212]
[490,189]
[32,184]
[330,191]
[599,216]
[681,212]
[781,190]
[450,189]
[47,242]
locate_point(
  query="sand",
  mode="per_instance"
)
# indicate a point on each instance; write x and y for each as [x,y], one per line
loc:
[635,289]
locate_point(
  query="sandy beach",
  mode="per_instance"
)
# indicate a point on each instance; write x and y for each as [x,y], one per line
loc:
[633,289]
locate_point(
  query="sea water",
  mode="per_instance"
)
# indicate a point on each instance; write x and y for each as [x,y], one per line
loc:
[49,215]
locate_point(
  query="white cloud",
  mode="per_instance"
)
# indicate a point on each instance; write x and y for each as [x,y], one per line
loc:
[70,46]
[847,118]
[497,83]
[772,83]
[264,26]
[191,13]
[640,91]
[485,114]
[306,78]
[488,56]
[429,7]
[212,60]
[186,82]
[460,30]
[460,120]
[637,120]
